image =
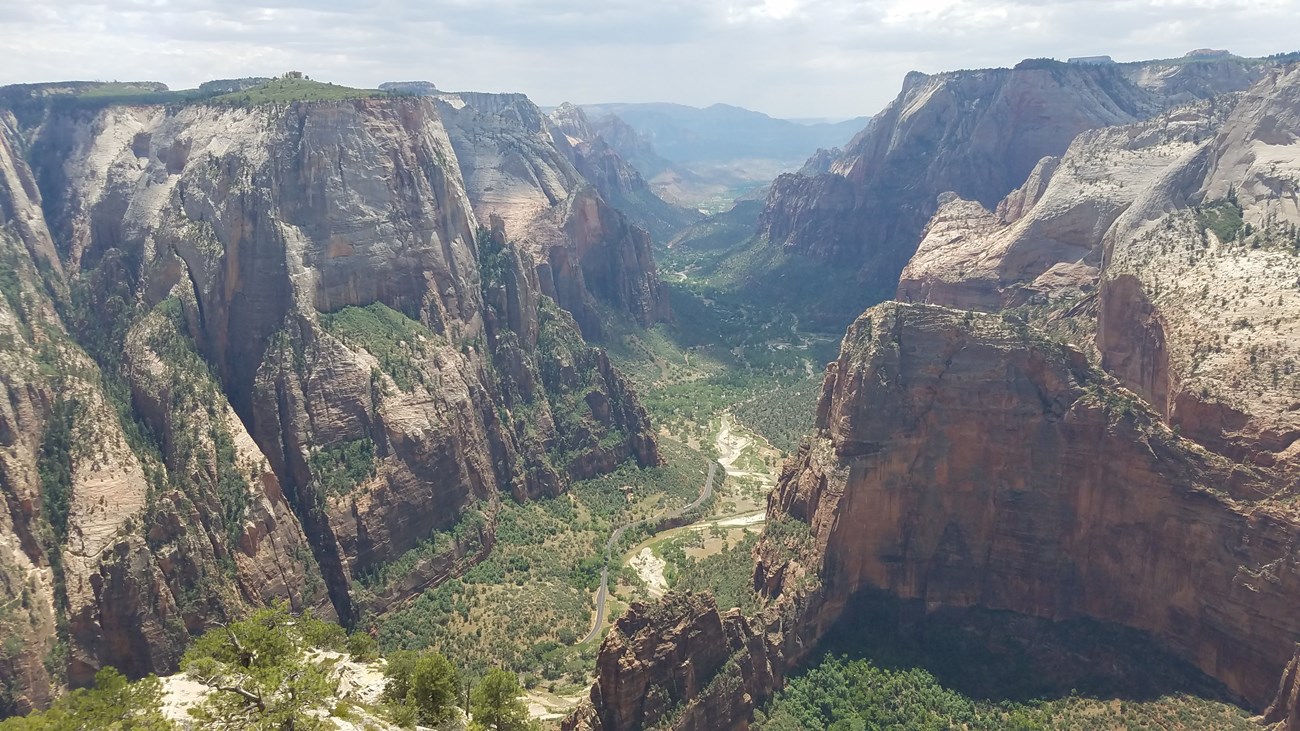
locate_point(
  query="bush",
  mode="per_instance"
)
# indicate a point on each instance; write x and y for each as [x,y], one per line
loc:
[362,647]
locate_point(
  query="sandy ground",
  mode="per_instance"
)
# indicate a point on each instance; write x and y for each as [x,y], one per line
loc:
[651,570]
[737,522]
[545,706]
[180,693]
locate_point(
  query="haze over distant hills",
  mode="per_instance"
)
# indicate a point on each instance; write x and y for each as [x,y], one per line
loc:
[724,132]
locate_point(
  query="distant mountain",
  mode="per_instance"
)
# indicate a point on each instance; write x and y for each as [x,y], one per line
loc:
[722,132]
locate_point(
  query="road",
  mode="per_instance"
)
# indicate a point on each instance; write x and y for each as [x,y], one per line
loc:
[603,594]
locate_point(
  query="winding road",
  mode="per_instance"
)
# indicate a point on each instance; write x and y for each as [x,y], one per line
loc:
[617,535]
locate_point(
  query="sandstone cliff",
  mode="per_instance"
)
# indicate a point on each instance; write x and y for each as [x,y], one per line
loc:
[975,133]
[1176,238]
[962,460]
[518,167]
[1075,500]
[679,662]
[617,181]
[281,355]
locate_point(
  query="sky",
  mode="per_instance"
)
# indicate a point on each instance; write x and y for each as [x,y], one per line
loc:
[788,58]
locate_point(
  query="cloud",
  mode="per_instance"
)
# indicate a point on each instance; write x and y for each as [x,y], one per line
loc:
[785,57]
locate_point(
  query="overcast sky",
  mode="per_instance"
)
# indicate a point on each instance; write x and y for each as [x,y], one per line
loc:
[789,58]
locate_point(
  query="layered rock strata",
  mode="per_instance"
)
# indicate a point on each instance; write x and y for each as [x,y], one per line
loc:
[519,167]
[1178,236]
[260,353]
[975,133]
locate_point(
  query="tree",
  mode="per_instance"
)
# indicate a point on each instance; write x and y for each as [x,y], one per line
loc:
[434,684]
[113,704]
[425,683]
[261,679]
[495,702]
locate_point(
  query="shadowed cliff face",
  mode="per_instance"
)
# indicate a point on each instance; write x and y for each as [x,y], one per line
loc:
[280,357]
[964,462]
[617,181]
[975,133]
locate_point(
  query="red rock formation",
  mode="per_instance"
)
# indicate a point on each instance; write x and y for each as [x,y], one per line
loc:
[1285,708]
[962,461]
[678,661]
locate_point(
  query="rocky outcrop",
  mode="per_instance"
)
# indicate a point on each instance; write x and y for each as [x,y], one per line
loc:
[679,661]
[972,258]
[631,145]
[518,168]
[1180,230]
[975,133]
[963,461]
[1074,500]
[281,357]
[1285,708]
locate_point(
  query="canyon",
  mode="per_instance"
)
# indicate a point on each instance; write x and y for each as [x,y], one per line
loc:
[1079,406]
[341,352]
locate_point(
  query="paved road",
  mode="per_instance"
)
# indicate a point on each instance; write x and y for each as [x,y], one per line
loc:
[617,535]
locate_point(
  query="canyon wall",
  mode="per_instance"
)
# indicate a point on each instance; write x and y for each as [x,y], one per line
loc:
[975,133]
[258,353]
[519,167]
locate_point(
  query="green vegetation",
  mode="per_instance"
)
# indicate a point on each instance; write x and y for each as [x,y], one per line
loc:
[728,575]
[342,468]
[841,693]
[192,395]
[28,101]
[522,606]
[767,278]
[256,669]
[424,686]
[54,465]
[530,599]
[292,89]
[571,375]
[274,671]
[470,524]
[1223,218]
[399,343]
[493,261]
[495,703]
[726,355]
[112,704]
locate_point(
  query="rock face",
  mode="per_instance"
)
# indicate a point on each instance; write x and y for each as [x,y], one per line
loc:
[972,258]
[1178,235]
[964,461]
[518,167]
[254,354]
[1073,500]
[678,661]
[617,181]
[975,133]
[1285,709]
